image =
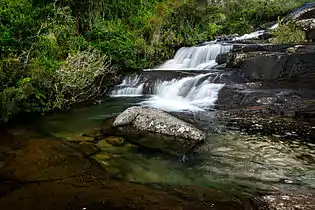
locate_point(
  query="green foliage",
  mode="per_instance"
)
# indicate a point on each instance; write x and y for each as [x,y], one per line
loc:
[81,78]
[289,33]
[45,48]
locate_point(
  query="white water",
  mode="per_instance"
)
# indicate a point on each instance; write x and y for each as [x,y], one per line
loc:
[130,87]
[255,34]
[187,94]
[196,58]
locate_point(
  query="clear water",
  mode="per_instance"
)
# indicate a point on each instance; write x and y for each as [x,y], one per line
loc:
[228,160]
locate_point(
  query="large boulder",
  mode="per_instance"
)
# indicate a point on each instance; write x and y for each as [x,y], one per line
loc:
[156,129]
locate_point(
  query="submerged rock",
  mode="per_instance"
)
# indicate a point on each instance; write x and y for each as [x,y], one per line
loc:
[61,177]
[107,128]
[115,141]
[156,129]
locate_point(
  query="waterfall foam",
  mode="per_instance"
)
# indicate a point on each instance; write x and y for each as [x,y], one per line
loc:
[186,94]
[194,93]
[130,87]
[196,58]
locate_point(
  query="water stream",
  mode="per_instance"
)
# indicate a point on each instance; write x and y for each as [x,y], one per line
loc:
[228,160]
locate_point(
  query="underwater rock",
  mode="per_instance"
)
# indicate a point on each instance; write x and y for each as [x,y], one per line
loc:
[156,129]
[107,128]
[95,134]
[115,141]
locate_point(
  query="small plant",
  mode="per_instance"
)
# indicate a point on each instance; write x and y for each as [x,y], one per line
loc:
[289,33]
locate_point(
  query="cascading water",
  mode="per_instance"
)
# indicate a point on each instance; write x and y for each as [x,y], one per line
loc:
[194,58]
[130,87]
[194,93]
[189,93]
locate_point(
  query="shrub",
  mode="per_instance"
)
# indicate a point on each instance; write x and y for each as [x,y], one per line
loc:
[82,77]
[289,33]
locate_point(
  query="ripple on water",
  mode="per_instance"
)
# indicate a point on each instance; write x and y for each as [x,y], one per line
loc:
[232,161]
[229,160]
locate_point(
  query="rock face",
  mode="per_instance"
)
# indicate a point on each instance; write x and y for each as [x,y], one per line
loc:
[304,12]
[277,94]
[308,25]
[156,129]
[267,66]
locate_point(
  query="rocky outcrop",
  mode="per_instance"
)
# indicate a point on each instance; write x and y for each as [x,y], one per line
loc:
[308,25]
[267,66]
[156,129]
[286,202]
[306,11]
[277,95]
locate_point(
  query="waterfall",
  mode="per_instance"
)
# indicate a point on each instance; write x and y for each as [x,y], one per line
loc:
[130,87]
[194,58]
[194,93]
[190,93]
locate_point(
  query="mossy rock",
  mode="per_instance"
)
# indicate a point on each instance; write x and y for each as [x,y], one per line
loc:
[96,134]
[115,141]
[88,148]
[74,137]
[103,144]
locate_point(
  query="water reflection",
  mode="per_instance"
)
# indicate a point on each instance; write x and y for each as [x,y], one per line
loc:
[229,160]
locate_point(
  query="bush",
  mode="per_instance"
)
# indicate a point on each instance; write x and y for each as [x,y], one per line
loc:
[53,54]
[82,77]
[289,33]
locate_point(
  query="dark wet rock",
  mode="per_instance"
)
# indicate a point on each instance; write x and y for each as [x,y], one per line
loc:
[308,25]
[286,202]
[256,109]
[87,148]
[222,58]
[267,66]
[156,129]
[39,160]
[81,138]
[306,11]
[94,134]
[77,193]
[260,120]
[115,141]
[244,48]
[107,128]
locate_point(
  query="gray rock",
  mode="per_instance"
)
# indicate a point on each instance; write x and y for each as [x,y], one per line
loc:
[308,25]
[268,66]
[156,129]
[288,201]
